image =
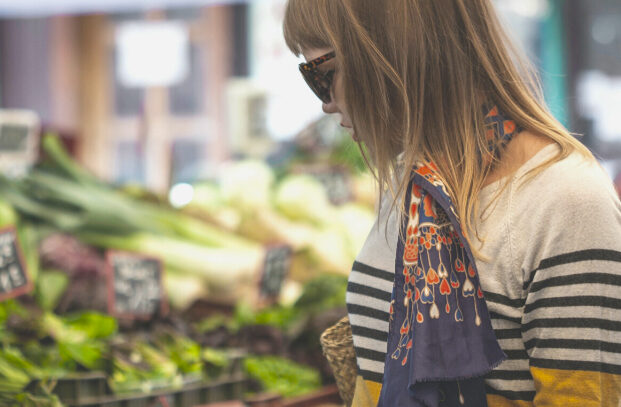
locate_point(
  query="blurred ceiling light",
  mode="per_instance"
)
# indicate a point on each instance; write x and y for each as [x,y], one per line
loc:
[527,8]
[604,29]
[180,195]
[152,53]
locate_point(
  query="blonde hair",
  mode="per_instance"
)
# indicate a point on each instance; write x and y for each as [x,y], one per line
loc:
[416,74]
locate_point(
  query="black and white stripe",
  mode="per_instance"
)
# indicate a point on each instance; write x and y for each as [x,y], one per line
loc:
[552,278]
[570,320]
[512,379]
[574,312]
[571,312]
[520,325]
[368,301]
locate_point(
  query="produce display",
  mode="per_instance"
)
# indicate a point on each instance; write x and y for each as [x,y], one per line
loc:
[282,376]
[67,223]
[40,347]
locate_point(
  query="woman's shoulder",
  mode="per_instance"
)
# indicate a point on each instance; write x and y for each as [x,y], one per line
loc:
[574,193]
[572,179]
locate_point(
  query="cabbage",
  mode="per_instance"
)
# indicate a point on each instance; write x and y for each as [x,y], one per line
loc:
[302,197]
[247,184]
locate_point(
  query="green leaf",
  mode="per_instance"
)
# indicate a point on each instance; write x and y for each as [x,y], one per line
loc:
[88,355]
[283,376]
[50,287]
[93,324]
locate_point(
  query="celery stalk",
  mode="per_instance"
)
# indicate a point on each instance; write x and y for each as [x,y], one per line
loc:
[218,266]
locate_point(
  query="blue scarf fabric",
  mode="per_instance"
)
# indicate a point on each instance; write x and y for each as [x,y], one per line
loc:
[440,341]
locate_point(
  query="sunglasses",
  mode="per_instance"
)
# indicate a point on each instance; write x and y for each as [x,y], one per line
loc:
[319,82]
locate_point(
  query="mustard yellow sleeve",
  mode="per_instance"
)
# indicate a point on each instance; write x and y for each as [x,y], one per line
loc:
[366,393]
[571,388]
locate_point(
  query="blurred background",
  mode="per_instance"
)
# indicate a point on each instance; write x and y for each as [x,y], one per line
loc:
[161,92]
[177,215]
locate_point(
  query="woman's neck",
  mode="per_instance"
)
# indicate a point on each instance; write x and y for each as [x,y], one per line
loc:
[518,151]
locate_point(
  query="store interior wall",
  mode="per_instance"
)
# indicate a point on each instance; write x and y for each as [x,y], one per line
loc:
[24,52]
[62,67]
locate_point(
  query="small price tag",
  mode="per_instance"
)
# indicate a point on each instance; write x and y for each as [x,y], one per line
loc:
[135,288]
[19,135]
[14,280]
[275,269]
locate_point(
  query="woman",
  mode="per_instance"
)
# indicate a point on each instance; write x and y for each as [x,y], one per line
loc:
[492,276]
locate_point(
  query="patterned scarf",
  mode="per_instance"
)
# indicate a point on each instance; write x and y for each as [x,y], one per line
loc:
[440,341]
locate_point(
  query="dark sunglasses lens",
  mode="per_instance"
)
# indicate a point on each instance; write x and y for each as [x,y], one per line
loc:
[319,84]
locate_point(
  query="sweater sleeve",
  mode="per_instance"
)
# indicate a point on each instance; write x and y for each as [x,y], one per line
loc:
[571,323]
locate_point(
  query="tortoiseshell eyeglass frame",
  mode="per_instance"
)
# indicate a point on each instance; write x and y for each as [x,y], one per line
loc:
[319,82]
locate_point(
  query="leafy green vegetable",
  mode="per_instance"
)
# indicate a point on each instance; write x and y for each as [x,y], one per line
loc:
[323,292]
[7,309]
[216,361]
[278,316]
[8,216]
[214,322]
[11,307]
[15,357]
[64,195]
[16,373]
[138,366]
[47,358]
[86,354]
[13,379]
[55,151]
[50,287]
[282,376]
[79,339]
[127,377]
[32,400]
[159,362]
[215,357]
[183,351]
[29,236]
[93,324]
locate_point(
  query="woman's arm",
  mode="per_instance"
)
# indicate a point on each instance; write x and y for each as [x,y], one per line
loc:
[571,324]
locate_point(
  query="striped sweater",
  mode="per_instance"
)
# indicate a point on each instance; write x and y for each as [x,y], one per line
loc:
[552,282]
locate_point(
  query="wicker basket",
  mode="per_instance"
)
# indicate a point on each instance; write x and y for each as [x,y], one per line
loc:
[338,347]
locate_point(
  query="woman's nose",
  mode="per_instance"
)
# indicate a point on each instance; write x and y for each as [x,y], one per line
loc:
[330,107]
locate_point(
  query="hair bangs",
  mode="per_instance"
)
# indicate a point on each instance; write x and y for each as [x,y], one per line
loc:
[305,25]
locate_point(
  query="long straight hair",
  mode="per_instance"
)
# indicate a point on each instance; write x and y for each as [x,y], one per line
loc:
[416,75]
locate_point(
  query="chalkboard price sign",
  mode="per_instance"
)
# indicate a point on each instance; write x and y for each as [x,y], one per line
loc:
[14,280]
[275,269]
[135,288]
